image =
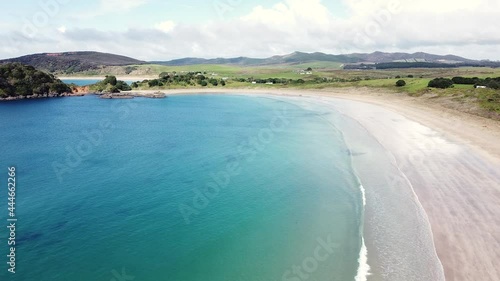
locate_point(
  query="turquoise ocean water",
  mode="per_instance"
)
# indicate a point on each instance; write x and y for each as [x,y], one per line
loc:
[199,187]
[80,82]
[85,82]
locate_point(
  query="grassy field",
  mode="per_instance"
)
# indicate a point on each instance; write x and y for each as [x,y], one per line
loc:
[320,69]
[416,79]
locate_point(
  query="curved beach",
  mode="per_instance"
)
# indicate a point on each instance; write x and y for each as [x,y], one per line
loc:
[449,162]
[391,187]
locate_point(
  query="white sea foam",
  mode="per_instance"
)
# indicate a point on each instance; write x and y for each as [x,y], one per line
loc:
[364,267]
[363,193]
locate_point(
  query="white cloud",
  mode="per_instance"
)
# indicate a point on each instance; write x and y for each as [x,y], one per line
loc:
[62,29]
[291,14]
[112,5]
[166,26]
[460,27]
[109,7]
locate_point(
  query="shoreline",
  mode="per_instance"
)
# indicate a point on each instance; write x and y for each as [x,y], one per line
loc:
[454,173]
[451,160]
[456,181]
[481,133]
[40,97]
[395,230]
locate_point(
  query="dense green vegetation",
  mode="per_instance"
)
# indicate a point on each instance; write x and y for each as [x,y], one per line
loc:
[442,83]
[466,80]
[110,85]
[493,83]
[324,76]
[174,79]
[400,83]
[398,65]
[316,75]
[409,65]
[392,65]
[18,80]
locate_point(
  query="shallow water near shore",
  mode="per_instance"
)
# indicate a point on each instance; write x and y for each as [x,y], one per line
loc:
[81,82]
[396,229]
[86,82]
[188,188]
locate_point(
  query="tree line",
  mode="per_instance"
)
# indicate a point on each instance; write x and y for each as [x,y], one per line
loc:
[18,80]
[184,79]
[403,65]
[443,83]
[110,85]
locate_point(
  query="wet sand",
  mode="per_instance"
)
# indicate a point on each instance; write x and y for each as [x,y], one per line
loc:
[456,181]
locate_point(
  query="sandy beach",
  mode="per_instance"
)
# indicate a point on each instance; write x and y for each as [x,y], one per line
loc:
[448,197]
[451,159]
[453,170]
[455,175]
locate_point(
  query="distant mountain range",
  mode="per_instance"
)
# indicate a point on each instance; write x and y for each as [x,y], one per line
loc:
[294,58]
[380,57]
[73,62]
[300,58]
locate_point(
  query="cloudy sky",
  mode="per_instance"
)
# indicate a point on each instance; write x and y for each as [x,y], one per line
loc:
[162,30]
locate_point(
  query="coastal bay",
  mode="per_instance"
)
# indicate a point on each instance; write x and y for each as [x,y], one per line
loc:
[447,174]
[460,206]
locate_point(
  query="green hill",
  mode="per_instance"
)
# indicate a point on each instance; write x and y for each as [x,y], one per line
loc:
[301,58]
[291,59]
[95,63]
[18,80]
[72,62]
